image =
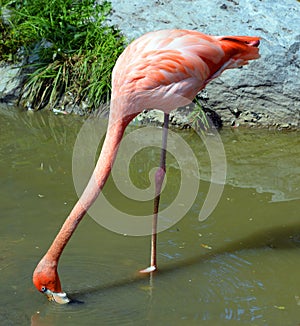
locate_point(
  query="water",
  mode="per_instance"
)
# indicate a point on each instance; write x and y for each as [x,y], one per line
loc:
[239,266]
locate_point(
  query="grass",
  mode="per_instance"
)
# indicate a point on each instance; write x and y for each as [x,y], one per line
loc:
[198,118]
[69,51]
[69,47]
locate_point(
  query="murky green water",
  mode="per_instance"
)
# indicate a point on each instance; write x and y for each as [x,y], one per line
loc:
[239,266]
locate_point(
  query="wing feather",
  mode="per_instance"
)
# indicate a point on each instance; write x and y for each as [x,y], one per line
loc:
[178,61]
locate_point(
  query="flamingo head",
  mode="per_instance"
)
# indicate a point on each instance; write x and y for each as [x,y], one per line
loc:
[46,280]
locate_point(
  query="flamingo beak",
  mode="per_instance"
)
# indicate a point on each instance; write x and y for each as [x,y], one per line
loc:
[58,297]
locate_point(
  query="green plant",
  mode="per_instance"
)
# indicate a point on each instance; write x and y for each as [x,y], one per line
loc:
[198,118]
[70,48]
[8,45]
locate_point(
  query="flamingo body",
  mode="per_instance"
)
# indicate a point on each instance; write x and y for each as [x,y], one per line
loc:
[162,70]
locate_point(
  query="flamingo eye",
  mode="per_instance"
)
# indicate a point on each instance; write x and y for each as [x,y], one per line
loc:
[43,289]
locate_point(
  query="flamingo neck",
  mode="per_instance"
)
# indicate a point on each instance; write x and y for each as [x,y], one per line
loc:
[97,181]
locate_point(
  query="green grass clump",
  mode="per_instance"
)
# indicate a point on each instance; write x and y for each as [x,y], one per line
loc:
[70,49]
[198,119]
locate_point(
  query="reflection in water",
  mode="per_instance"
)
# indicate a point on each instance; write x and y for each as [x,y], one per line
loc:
[268,161]
[241,264]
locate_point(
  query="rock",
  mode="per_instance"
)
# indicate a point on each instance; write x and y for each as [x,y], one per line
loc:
[264,94]
[9,83]
[268,87]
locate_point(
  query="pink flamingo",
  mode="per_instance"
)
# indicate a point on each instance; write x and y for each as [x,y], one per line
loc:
[163,70]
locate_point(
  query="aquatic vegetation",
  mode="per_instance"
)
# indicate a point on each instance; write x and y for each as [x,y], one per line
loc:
[68,46]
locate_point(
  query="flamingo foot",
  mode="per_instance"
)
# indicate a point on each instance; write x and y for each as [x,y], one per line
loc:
[148,270]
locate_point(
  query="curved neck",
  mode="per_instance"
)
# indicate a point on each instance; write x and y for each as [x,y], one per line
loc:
[101,172]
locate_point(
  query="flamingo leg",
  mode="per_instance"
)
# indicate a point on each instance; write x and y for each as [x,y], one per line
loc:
[159,178]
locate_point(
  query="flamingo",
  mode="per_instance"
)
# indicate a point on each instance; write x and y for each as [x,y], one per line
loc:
[163,70]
